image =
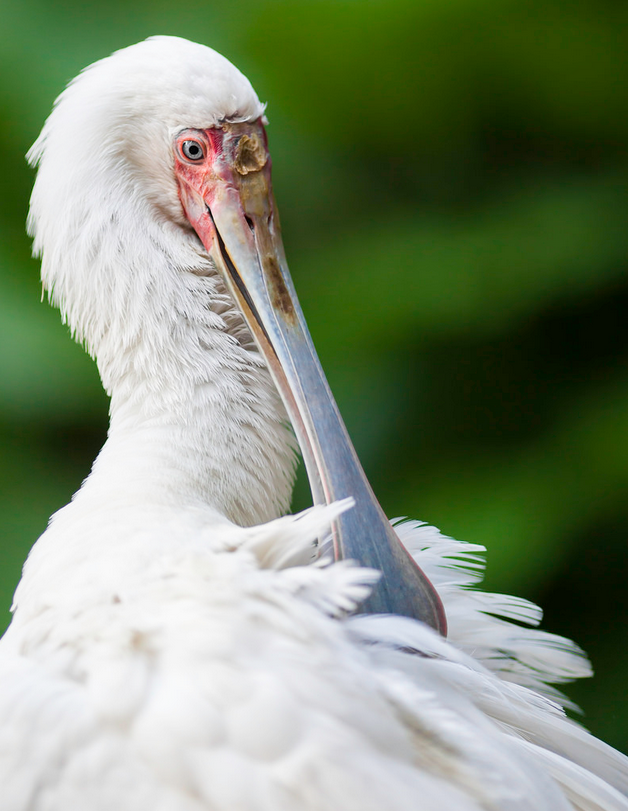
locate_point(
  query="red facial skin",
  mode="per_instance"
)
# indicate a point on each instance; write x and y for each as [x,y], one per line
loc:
[235,166]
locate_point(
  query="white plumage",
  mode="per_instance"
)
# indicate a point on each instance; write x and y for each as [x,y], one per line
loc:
[175,645]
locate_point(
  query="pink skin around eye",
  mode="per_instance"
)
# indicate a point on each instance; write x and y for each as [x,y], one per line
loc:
[196,182]
[215,138]
[221,173]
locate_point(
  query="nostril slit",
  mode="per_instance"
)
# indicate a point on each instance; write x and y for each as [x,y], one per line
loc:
[249,222]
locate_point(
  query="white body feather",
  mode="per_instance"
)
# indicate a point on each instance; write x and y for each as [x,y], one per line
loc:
[169,651]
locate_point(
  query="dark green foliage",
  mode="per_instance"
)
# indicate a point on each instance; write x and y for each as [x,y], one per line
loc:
[452,178]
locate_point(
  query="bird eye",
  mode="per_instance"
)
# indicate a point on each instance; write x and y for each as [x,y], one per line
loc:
[192,150]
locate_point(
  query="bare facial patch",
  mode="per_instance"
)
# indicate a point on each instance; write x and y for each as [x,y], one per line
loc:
[251,155]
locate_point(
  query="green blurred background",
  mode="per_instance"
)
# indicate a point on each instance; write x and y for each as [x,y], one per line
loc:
[451,176]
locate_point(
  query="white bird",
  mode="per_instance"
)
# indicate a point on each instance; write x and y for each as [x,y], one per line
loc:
[178,646]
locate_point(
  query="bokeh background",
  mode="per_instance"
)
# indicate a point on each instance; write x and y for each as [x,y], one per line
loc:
[451,176]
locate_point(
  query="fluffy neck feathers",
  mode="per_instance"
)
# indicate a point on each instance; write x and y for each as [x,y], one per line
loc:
[195,416]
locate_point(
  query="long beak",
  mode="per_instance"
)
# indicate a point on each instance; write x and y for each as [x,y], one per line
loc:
[238,223]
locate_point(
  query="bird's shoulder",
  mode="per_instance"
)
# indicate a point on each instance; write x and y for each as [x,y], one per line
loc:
[204,673]
[192,667]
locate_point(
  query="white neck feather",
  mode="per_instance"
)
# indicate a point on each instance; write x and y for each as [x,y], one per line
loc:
[195,416]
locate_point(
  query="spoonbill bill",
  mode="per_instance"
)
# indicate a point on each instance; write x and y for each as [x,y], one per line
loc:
[178,642]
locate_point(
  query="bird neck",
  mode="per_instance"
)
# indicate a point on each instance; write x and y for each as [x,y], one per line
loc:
[195,416]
